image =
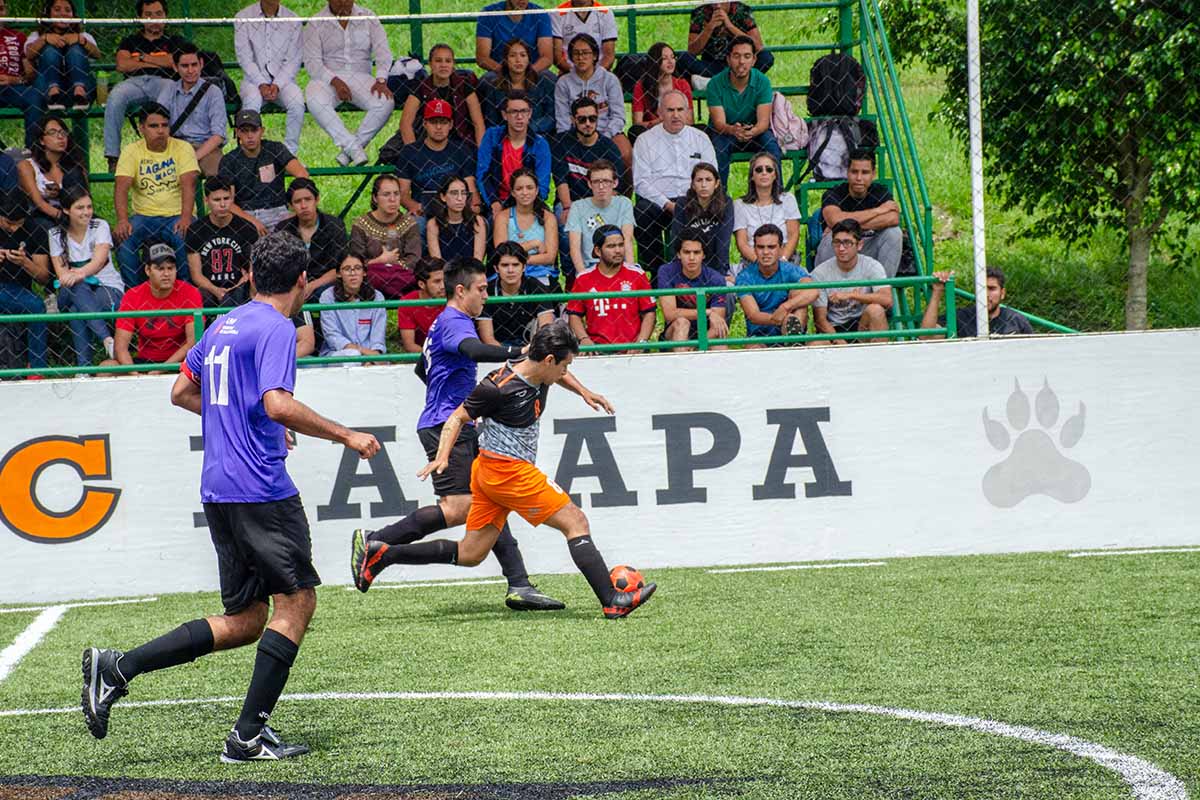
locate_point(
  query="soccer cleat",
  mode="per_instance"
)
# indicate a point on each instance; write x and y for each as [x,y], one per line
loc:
[364,556]
[267,746]
[623,603]
[528,598]
[103,685]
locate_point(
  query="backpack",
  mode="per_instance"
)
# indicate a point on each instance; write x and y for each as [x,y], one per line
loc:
[830,142]
[214,71]
[835,86]
[790,131]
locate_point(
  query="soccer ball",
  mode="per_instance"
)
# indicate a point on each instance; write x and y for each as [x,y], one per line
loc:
[626,579]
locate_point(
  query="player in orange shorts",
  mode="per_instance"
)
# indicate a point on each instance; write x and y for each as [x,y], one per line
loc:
[504,479]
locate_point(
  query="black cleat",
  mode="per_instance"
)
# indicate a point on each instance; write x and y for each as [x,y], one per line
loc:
[364,555]
[623,603]
[267,746]
[528,598]
[103,685]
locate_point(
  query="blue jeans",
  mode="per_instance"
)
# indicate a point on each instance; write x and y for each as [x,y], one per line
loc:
[142,89]
[149,229]
[65,69]
[88,298]
[16,299]
[28,98]
[726,145]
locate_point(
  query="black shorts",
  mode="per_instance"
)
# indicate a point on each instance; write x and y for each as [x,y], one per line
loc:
[262,549]
[848,327]
[457,477]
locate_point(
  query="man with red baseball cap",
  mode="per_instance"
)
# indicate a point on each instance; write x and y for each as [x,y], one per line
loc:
[424,167]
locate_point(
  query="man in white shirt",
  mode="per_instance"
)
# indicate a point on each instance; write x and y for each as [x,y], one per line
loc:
[339,44]
[663,158]
[269,54]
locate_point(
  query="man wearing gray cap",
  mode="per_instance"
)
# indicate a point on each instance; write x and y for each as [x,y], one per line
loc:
[268,41]
[160,340]
[256,167]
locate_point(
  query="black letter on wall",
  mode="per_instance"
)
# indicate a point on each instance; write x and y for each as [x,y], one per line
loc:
[196,445]
[380,475]
[603,466]
[816,455]
[682,463]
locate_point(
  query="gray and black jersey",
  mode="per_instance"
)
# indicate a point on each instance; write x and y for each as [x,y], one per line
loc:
[512,408]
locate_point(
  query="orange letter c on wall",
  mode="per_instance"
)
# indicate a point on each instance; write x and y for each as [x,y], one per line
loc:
[19,472]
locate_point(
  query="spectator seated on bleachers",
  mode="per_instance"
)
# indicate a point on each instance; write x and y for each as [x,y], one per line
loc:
[218,248]
[774,312]
[424,167]
[457,88]
[587,79]
[87,282]
[526,220]
[857,308]
[868,203]
[24,258]
[199,122]
[688,270]
[507,147]
[1001,321]
[61,51]
[576,150]
[353,331]
[573,17]
[256,168]
[270,55]
[323,234]
[157,175]
[708,212]
[713,28]
[493,31]
[414,322]
[160,340]
[17,88]
[663,159]
[339,45]
[387,240]
[515,73]
[611,320]
[454,230]
[765,203]
[147,61]
[660,77]
[512,324]
[739,108]
[55,164]
[603,207]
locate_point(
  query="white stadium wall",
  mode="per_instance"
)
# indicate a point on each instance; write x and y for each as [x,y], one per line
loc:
[719,458]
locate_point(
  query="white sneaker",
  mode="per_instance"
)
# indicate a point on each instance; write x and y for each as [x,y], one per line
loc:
[343,158]
[51,304]
[108,346]
[358,156]
[699,82]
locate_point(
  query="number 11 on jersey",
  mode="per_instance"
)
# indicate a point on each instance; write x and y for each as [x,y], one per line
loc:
[218,376]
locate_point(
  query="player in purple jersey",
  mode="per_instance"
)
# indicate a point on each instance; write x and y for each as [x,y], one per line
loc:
[447,366]
[239,378]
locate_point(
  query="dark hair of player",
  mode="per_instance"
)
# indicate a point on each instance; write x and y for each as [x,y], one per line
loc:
[277,261]
[554,340]
[461,272]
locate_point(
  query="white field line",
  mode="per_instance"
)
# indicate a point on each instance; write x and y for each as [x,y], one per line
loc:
[428,585]
[1147,781]
[1087,553]
[29,638]
[30,609]
[783,567]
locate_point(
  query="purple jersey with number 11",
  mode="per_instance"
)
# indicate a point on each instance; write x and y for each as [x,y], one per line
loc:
[244,355]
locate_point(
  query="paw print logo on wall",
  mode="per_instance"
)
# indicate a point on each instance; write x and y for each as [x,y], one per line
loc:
[1035,463]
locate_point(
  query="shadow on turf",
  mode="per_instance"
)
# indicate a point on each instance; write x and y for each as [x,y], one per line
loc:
[485,612]
[88,788]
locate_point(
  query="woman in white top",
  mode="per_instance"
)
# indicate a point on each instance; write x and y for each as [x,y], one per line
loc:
[81,252]
[764,202]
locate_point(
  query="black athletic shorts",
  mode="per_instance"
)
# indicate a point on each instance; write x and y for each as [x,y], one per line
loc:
[262,549]
[457,477]
[848,327]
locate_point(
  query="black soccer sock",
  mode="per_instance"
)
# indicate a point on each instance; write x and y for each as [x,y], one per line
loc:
[589,561]
[438,551]
[509,556]
[276,654]
[416,525]
[183,645]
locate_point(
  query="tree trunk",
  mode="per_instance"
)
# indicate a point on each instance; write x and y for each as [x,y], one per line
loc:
[1135,291]
[1135,181]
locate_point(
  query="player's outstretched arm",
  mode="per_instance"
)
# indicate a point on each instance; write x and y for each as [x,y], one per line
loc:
[477,351]
[596,401]
[290,412]
[450,431]
[186,392]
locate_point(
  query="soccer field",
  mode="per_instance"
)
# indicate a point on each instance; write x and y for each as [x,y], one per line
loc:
[1087,666]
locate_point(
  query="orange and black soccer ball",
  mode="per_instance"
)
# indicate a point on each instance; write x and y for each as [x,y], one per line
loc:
[626,579]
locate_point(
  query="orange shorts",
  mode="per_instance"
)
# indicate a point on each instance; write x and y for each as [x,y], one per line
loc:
[501,485]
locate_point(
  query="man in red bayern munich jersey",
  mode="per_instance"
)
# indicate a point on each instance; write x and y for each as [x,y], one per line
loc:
[611,320]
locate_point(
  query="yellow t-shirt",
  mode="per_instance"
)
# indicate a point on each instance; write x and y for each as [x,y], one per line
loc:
[155,191]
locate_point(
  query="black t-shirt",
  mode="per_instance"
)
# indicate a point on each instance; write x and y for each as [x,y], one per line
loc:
[1007,323]
[138,43]
[36,244]
[328,246]
[258,181]
[877,194]
[429,169]
[224,251]
[511,320]
[570,160]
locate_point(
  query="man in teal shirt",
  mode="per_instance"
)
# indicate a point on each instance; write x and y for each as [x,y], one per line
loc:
[739,108]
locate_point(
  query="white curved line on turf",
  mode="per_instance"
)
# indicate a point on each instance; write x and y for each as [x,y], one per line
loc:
[1147,781]
[1087,553]
[86,604]
[782,567]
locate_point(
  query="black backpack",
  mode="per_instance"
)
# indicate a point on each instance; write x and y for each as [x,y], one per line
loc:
[835,86]
[214,70]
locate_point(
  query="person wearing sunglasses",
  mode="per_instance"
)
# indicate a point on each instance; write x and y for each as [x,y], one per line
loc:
[739,108]
[764,203]
[588,79]
[574,153]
